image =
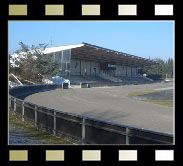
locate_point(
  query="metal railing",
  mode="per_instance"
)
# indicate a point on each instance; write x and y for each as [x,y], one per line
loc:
[81,129]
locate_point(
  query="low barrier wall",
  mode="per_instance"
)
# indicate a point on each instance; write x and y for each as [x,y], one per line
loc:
[30,89]
[84,85]
[81,129]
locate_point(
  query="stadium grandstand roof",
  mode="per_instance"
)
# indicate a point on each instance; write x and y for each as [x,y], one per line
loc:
[88,52]
[85,51]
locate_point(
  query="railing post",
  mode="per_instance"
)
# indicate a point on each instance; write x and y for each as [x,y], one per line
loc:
[23,111]
[14,111]
[35,116]
[83,131]
[127,136]
[54,124]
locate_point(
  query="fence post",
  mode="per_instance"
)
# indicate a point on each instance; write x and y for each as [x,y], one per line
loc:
[35,116]
[83,131]
[127,136]
[23,111]
[14,111]
[54,125]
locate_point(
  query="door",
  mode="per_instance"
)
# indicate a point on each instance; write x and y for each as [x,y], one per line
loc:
[94,71]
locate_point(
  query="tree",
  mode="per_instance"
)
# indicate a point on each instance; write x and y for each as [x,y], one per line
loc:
[28,68]
[46,66]
[34,65]
[169,68]
[160,70]
[24,47]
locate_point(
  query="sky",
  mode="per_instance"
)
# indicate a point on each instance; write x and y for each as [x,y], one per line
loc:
[147,39]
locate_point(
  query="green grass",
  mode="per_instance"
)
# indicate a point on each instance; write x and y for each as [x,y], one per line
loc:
[35,133]
[141,93]
[168,103]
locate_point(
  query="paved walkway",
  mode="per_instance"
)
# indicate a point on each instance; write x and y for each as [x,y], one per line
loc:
[111,104]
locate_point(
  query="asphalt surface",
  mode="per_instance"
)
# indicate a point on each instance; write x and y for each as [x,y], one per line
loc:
[111,104]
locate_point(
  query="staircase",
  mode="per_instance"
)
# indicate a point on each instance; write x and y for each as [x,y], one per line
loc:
[145,78]
[100,79]
[75,80]
[138,79]
[111,78]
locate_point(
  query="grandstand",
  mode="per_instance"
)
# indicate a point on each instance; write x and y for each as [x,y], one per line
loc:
[79,112]
[89,63]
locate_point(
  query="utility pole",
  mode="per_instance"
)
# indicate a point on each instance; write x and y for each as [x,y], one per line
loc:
[51,41]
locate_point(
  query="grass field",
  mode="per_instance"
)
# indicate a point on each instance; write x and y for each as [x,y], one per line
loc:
[29,131]
[168,103]
[141,93]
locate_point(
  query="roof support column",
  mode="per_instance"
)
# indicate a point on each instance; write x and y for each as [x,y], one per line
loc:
[90,68]
[80,67]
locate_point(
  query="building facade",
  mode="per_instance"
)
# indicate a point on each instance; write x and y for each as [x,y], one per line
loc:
[91,60]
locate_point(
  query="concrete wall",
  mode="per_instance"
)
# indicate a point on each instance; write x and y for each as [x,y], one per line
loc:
[120,70]
[85,67]
[125,71]
[134,72]
[75,67]
[79,67]
[23,91]
[95,65]
[128,71]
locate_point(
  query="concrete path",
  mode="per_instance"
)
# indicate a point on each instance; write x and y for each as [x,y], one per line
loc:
[111,104]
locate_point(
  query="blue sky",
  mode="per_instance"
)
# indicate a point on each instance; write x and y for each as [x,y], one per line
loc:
[153,39]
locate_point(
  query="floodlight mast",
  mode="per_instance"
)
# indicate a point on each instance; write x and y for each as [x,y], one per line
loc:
[16,79]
